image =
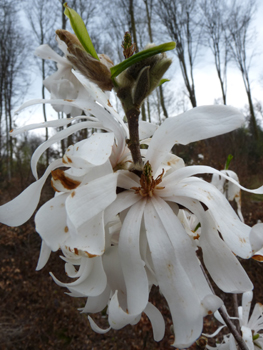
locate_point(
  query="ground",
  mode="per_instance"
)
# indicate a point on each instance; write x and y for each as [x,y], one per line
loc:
[35,313]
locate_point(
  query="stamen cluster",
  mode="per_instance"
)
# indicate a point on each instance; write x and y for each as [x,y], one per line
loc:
[148,183]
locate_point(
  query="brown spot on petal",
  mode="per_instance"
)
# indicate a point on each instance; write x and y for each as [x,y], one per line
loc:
[11,130]
[68,100]
[90,255]
[168,163]
[66,229]
[73,194]
[109,104]
[257,257]
[209,312]
[59,175]
[76,251]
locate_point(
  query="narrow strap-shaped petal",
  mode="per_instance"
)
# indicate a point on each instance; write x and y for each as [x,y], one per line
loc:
[235,233]
[119,318]
[89,200]
[180,174]
[173,281]
[51,222]
[123,201]
[93,285]
[197,124]
[246,305]
[21,208]
[45,52]
[256,318]
[97,303]
[57,138]
[247,337]
[43,256]
[92,151]
[96,328]
[131,262]
[157,321]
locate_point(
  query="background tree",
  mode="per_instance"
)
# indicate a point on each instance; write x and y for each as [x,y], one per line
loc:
[42,17]
[13,77]
[180,18]
[215,16]
[240,39]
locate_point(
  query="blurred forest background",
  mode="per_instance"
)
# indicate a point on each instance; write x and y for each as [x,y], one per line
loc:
[224,30]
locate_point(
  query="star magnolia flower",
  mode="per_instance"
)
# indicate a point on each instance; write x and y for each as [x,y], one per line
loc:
[229,189]
[88,183]
[148,209]
[250,326]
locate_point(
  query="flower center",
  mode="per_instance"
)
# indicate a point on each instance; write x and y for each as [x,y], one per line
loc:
[148,183]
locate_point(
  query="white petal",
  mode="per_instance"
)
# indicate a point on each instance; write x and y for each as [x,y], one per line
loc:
[256,237]
[132,265]
[123,201]
[247,337]
[246,305]
[113,270]
[180,174]
[173,281]
[45,52]
[95,150]
[220,262]
[234,232]
[119,318]
[51,222]
[97,303]
[215,333]
[197,124]
[146,129]
[126,180]
[255,321]
[93,285]
[157,321]
[43,256]
[21,208]
[184,249]
[50,124]
[211,303]
[89,200]
[89,237]
[56,138]
[96,328]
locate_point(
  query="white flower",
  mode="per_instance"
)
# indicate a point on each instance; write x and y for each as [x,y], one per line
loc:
[152,238]
[250,326]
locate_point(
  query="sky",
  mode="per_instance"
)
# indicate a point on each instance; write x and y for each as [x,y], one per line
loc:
[206,82]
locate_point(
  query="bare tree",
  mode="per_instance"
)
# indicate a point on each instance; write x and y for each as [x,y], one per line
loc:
[215,17]
[42,18]
[13,78]
[180,18]
[241,37]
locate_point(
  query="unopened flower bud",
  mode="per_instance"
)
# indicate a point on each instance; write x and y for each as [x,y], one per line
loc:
[90,67]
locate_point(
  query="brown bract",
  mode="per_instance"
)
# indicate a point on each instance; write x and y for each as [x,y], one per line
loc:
[81,60]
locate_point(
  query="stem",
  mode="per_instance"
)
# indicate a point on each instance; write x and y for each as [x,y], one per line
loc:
[134,143]
[233,329]
[228,322]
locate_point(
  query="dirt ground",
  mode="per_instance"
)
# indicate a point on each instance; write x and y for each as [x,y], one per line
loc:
[37,314]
